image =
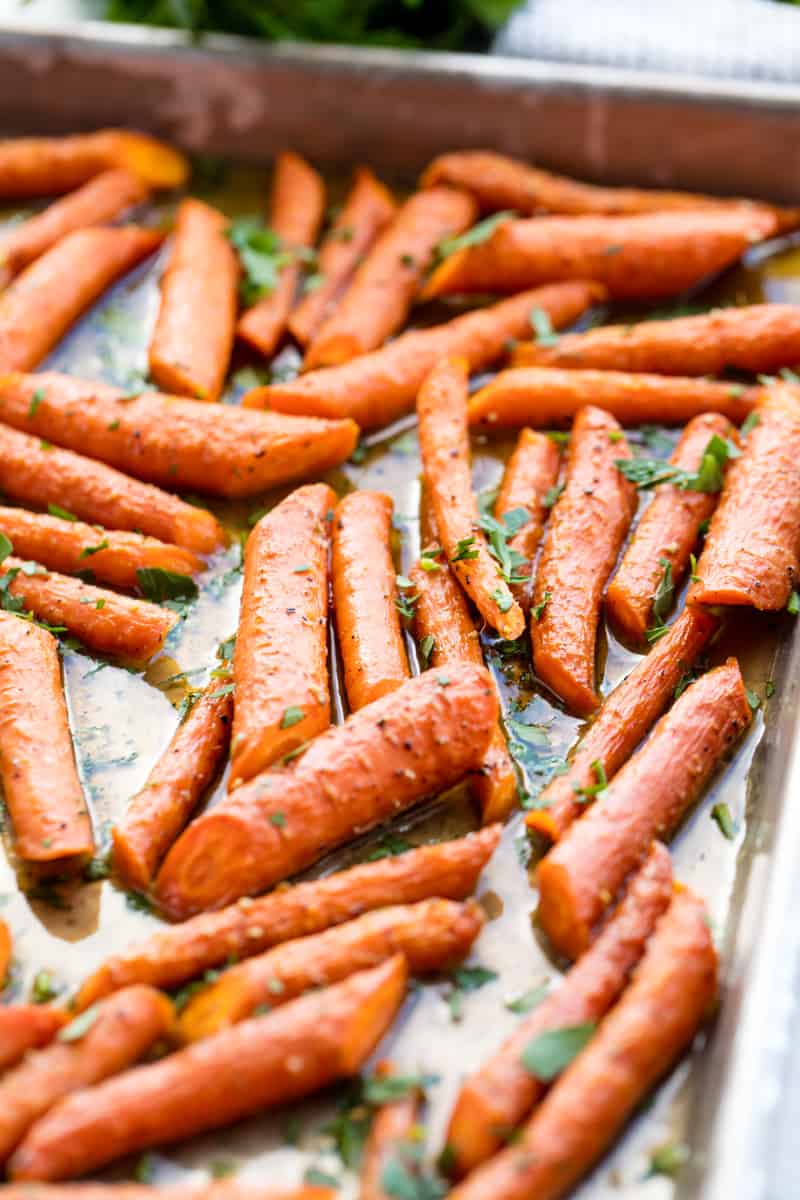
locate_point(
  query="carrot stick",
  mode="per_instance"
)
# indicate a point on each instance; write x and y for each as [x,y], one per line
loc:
[379,299]
[392,1126]
[549,396]
[24,1027]
[531,472]
[36,472]
[667,533]
[384,758]
[226,1190]
[495,1098]
[446,633]
[37,765]
[751,555]
[173,956]
[433,935]
[193,336]
[581,875]
[377,388]
[365,598]
[367,211]
[156,814]
[672,991]
[755,337]
[624,718]
[49,166]
[5,953]
[280,664]
[47,298]
[172,441]
[444,447]
[118,1032]
[297,205]
[587,528]
[72,546]
[640,257]
[290,1053]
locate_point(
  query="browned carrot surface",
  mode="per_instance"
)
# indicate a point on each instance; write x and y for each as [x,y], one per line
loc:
[377,388]
[297,205]
[531,472]
[41,304]
[667,533]
[172,956]
[40,166]
[227,1190]
[625,716]
[752,553]
[294,1051]
[639,257]
[280,664]
[367,211]
[193,335]
[380,297]
[156,814]
[365,598]
[120,1031]
[393,1125]
[586,530]
[24,1027]
[582,874]
[445,451]
[172,441]
[36,472]
[548,396]
[383,759]
[37,765]
[672,991]
[494,1099]
[6,949]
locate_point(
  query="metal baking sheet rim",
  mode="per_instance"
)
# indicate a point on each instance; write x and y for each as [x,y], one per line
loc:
[226,94]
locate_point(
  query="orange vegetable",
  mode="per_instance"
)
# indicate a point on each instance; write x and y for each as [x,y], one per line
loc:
[376,389]
[365,598]
[586,530]
[582,874]
[297,206]
[367,211]
[672,991]
[187,768]
[227,1190]
[384,758]
[5,953]
[531,472]
[172,441]
[379,299]
[639,257]
[280,664]
[290,1053]
[444,447]
[193,336]
[495,1098]
[393,1126]
[23,1027]
[41,166]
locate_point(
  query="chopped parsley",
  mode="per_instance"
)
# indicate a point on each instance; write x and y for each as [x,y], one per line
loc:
[465,549]
[538,609]
[475,236]
[592,790]
[291,716]
[467,979]
[650,472]
[721,813]
[543,327]
[547,1055]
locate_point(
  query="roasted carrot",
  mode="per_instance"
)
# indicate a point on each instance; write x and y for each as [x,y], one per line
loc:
[48,166]
[582,874]
[24,1027]
[365,598]
[193,336]
[412,743]
[444,447]
[674,988]
[495,1099]
[667,534]
[297,205]
[42,303]
[393,1126]
[36,472]
[586,530]
[377,388]
[156,814]
[751,555]
[280,664]
[433,935]
[383,289]
[5,953]
[531,472]
[37,765]
[226,1190]
[367,211]
[549,396]
[118,1032]
[293,1051]
[639,257]
[173,956]
[624,718]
